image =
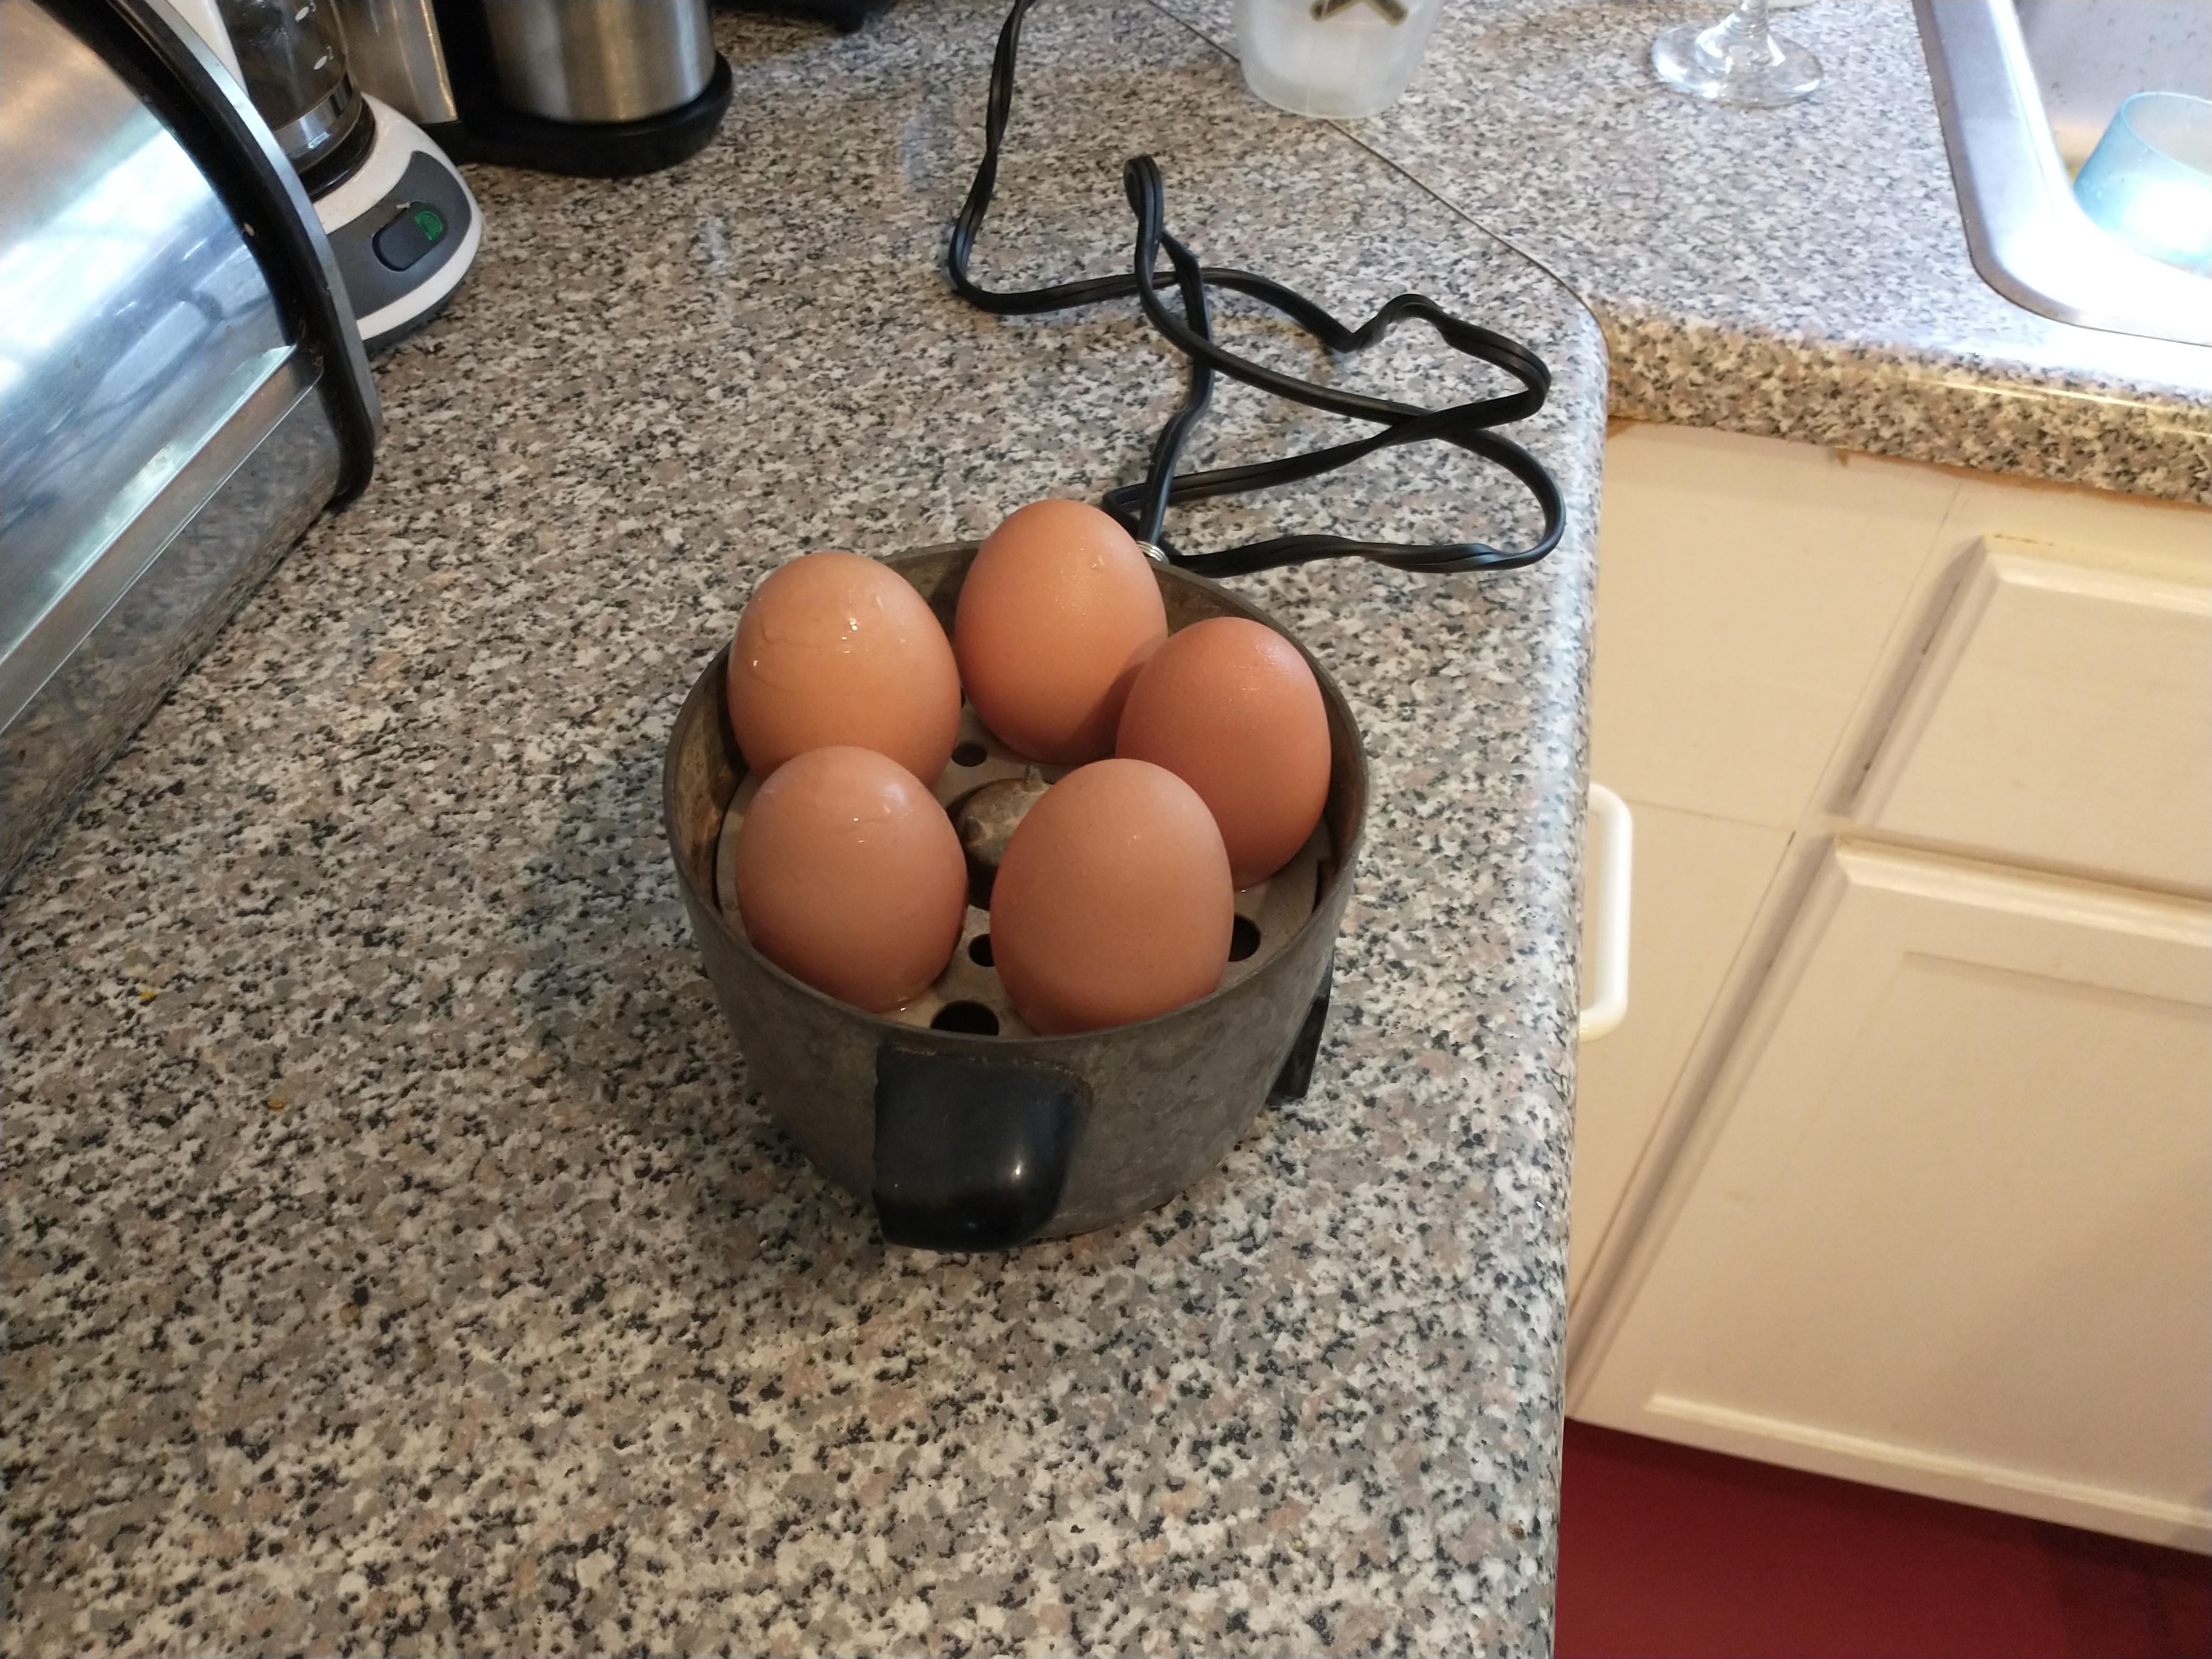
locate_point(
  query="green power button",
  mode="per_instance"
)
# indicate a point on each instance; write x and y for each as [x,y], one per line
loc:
[413,232]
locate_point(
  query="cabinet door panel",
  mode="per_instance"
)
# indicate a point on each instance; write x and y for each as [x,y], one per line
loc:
[1947,1222]
[1746,589]
[2063,715]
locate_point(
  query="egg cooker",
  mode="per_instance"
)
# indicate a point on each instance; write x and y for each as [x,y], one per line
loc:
[966,1141]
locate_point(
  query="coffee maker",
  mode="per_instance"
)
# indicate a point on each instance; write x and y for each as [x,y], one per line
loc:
[599,88]
[373,100]
[403,228]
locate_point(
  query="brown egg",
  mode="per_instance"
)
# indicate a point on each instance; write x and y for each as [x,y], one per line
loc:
[1059,611]
[850,877]
[1230,708]
[833,648]
[1113,902]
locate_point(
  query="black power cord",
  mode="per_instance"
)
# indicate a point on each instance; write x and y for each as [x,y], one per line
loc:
[1141,508]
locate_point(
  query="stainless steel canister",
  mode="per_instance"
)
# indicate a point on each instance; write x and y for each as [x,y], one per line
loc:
[394,51]
[600,60]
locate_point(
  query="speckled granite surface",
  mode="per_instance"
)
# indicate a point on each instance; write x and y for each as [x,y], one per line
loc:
[1798,273]
[396,1259]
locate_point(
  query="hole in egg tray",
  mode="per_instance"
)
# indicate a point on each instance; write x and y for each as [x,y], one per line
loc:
[967,995]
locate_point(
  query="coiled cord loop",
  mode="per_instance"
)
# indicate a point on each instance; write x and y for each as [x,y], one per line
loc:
[1187,325]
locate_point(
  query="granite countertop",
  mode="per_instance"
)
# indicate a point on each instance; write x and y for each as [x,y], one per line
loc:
[1799,273]
[396,1258]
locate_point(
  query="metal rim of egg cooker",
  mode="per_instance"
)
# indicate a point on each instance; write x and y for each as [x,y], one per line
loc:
[1141,507]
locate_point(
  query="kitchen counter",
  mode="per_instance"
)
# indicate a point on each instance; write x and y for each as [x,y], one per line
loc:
[1799,273]
[397,1258]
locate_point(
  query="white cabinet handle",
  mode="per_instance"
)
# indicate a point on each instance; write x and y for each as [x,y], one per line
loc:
[1605,895]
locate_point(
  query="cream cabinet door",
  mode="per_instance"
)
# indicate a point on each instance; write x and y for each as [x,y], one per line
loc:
[2063,715]
[1945,1222]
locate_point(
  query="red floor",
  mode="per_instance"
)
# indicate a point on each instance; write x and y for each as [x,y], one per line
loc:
[1670,1553]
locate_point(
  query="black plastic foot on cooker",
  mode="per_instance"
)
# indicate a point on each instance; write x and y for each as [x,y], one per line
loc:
[970,1154]
[1297,1075]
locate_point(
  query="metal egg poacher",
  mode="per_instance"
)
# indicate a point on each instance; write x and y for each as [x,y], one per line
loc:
[965,1141]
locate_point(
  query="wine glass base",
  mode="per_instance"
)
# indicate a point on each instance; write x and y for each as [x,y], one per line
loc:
[1720,65]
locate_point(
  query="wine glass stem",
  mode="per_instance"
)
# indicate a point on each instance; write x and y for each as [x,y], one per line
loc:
[1741,37]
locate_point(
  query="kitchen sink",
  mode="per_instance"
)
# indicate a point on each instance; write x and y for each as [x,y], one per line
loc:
[2025,87]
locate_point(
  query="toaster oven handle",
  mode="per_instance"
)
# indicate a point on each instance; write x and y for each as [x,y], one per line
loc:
[971,1154]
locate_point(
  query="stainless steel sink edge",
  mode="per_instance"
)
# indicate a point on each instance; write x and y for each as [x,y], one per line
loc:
[2028,237]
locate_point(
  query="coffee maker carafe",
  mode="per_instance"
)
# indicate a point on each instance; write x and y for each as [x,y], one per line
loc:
[595,88]
[292,59]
